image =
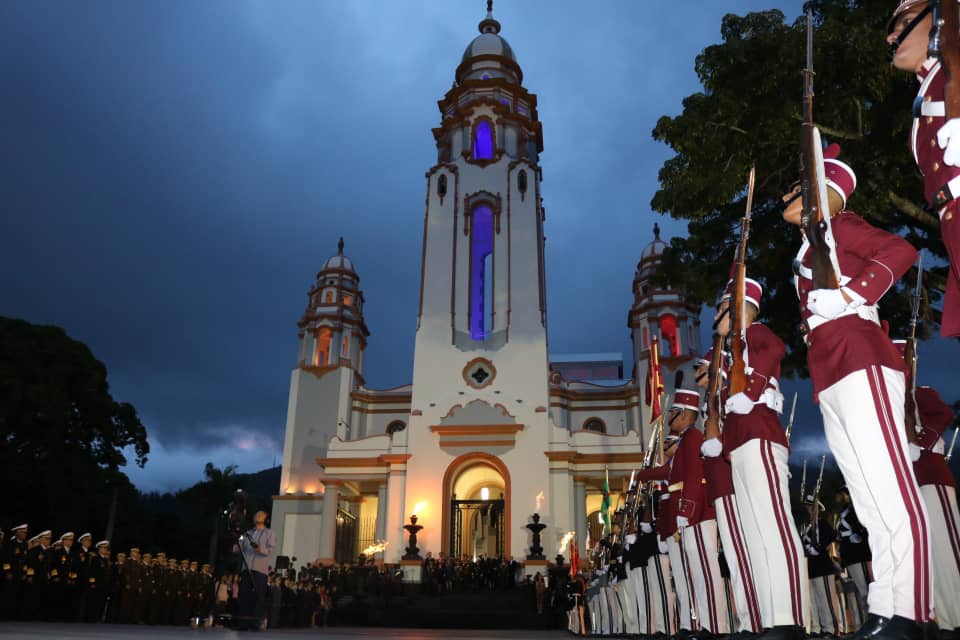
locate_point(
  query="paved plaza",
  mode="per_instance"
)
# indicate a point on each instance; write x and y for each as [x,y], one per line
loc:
[33,630]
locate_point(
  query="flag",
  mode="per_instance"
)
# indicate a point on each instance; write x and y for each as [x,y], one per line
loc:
[654,382]
[574,557]
[605,504]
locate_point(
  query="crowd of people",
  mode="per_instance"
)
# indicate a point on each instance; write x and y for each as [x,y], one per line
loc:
[74,579]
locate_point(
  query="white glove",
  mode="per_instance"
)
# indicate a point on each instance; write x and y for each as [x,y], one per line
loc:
[663,546]
[645,527]
[682,522]
[631,538]
[949,139]
[915,452]
[827,303]
[711,448]
[856,538]
[811,551]
[739,403]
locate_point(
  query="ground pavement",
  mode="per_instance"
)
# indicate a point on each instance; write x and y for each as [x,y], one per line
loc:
[36,630]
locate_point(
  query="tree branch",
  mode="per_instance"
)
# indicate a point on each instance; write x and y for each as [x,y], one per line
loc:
[728,126]
[908,208]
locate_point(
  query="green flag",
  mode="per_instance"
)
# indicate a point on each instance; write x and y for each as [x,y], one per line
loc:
[605,505]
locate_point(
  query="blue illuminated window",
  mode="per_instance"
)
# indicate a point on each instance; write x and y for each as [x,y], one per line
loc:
[481,272]
[483,141]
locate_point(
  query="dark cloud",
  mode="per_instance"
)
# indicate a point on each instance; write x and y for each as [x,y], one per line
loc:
[175,173]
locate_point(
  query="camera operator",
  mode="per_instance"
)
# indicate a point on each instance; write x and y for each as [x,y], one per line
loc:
[256,545]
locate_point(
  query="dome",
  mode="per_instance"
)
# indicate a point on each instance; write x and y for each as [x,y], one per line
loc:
[339,261]
[655,248]
[489,43]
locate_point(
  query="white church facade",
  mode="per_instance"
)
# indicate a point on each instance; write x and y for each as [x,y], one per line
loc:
[492,428]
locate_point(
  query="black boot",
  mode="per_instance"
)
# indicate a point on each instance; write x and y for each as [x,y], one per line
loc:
[873,625]
[783,632]
[901,628]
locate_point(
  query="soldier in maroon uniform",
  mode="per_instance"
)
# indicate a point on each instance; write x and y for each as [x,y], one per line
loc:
[758,450]
[939,490]
[720,493]
[858,379]
[689,527]
[934,141]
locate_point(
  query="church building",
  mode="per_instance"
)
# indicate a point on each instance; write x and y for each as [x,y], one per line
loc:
[492,428]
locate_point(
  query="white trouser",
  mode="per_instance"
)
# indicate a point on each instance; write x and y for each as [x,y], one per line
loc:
[662,601]
[941,503]
[863,422]
[703,562]
[603,609]
[681,583]
[825,614]
[628,603]
[613,604]
[593,605]
[761,482]
[859,574]
[738,561]
[641,599]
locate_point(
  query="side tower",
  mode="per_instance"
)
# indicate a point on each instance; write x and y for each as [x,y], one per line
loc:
[480,379]
[332,339]
[663,313]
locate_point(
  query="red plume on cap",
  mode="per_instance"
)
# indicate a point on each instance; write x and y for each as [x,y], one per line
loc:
[840,176]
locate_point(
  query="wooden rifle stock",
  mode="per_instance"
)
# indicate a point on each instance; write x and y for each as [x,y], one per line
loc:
[738,326]
[815,219]
[950,55]
[711,426]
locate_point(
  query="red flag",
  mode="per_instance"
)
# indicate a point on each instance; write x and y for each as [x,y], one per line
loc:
[654,382]
[574,557]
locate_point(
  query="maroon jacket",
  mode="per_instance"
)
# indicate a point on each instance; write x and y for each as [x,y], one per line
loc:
[935,417]
[871,261]
[719,475]
[685,483]
[936,173]
[764,353]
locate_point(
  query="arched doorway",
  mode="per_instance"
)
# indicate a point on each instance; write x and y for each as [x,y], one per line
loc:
[476,512]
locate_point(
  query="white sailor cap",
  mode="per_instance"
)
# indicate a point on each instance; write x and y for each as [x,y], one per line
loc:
[45,534]
[68,534]
[20,527]
[86,534]
[103,543]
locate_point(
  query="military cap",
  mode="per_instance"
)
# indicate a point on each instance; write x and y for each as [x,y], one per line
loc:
[85,535]
[103,543]
[45,534]
[20,527]
[68,534]
[902,7]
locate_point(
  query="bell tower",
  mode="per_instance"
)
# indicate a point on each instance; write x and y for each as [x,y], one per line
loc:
[665,314]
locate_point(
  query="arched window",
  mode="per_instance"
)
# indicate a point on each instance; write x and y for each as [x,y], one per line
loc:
[481,272]
[322,354]
[347,300]
[328,296]
[483,140]
[395,426]
[345,348]
[595,424]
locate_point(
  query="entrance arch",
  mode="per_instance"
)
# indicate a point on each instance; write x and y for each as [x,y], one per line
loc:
[459,471]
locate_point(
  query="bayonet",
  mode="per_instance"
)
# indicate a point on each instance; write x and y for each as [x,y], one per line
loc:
[793,412]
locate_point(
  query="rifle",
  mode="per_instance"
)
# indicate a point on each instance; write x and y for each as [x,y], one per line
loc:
[952,442]
[711,425]
[910,357]
[793,411]
[738,329]
[803,483]
[816,494]
[945,45]
[815,219]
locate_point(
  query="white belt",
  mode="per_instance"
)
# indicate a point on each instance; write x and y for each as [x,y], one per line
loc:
[773,399]
[865,311]
[935,109]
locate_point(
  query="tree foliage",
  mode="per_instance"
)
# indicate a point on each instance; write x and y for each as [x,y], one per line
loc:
[749,113]
[62,433]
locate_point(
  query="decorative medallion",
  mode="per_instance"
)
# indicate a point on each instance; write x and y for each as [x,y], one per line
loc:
[479,373]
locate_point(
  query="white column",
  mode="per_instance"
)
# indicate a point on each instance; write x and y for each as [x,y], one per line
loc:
[580,514]
[328,522]
[381,528]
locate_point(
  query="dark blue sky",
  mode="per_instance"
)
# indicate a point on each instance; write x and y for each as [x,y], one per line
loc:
[175,173]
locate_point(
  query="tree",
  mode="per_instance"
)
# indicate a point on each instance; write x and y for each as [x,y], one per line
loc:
[212,496]
[749,113]
[62,433]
